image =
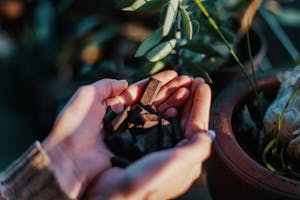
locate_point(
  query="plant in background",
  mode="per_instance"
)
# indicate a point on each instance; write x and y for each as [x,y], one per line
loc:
[172,41]
[186,39]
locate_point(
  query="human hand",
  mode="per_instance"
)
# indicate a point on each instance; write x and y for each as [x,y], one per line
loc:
[169,173]
[75,144]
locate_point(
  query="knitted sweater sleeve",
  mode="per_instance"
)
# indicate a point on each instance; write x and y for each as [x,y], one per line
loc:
[29,177]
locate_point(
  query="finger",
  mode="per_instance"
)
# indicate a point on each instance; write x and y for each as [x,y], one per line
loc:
[108,88]
[197,149]
[199,115]
[187,108]
[171,87]
[134,91]
[176,100]
[170,113]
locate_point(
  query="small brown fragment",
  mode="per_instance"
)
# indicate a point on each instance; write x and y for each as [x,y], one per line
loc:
[119,120]
[164,122]
[150,92]
[149,120]
[149,117]
[135,112]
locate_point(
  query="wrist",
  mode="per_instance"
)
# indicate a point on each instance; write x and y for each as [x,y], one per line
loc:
[71,180]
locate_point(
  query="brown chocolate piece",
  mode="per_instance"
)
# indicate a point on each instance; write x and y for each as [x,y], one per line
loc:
[149,120]
[151,91]
[119,120]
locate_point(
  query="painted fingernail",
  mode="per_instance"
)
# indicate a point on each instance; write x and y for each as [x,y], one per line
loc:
[118,108]
[211,134]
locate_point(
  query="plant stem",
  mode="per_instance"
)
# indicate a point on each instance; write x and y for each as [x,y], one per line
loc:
[260,106]
[284,110]
[270,146]
[231,50]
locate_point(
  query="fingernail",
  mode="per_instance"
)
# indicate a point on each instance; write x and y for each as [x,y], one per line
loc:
[211,134]
[118,108]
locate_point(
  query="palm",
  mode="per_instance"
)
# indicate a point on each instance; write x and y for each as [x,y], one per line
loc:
[154,171]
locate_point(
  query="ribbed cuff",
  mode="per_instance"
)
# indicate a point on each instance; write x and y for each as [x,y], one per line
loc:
[29,177]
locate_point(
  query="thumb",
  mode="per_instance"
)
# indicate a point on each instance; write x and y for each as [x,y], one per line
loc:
[108,88]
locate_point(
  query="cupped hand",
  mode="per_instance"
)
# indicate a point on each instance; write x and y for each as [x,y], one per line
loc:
[169,173]
[75,144]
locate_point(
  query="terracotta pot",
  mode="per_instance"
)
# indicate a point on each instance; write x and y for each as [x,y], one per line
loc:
[232,173]
[231,71]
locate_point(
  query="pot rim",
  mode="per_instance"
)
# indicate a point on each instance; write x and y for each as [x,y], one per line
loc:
[228,148]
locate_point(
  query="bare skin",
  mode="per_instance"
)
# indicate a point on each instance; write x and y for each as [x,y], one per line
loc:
[78,153]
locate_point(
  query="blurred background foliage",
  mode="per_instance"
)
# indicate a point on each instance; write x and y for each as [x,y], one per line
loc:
[50,48]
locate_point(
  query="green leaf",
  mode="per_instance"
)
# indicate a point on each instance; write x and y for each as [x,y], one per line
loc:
[196,27]
[86,25]
[161,51]
[44,20]
[170,16]
[124,3]
[188,27]
[148,6]
[203,48]
[149,42]
[193,56]
[136,5]
[153,5]
[288,16]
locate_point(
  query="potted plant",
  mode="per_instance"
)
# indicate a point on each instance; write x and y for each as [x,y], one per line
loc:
[237,169]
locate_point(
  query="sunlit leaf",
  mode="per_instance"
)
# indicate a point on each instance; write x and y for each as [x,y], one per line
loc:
[149,42]
[188,27]
[153,5]
[288,16]
[136,5]
[170,16]
[161,51]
